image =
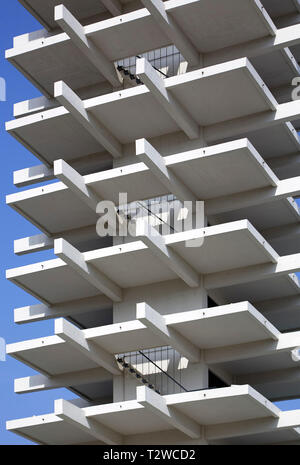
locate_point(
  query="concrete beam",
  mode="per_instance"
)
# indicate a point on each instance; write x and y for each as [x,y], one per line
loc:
[289,375]
[156,323]
[287,232]
[285,164]
[38,383]
[75,260]
[75,182]
[75,31]
[156,243]
[284,113]
[113,6]
[156,164]
[157,404]
[169,27]
[40,242]
[156,86]
[34,243]
[285,265]
[284,38]
[74,415]
[285,343]
[74,336]
[40,312]
[32,175]
[70,100]
[286,420]
[286,188]
[283,304]
[40,173]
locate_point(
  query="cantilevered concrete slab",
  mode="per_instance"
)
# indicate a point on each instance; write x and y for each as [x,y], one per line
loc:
[270,220]
[288,437]
[281,149]
[237,407]
[226,247]
[41,355]
[283,313]
[285,14]
[77,228]
[89,11]
[254,352]
[237,166]
[52,356]
[277,8]
[240,93]
[187,332]
[275,286]
[273,144]
[245,185]
[89,373]
[262,282]
[206,30]
[275,374]
[276,385]
[279,82]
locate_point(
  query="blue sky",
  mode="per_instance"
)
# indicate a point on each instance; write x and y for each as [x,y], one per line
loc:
[15,20]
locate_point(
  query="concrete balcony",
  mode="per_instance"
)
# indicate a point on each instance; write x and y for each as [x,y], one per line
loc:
[219,415]
[80,56]
[224,100]
[194,334]
[245,185]
[90,10]
[234,262]
[235,341]
[284,14]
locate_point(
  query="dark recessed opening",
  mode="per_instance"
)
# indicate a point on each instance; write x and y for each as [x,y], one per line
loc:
[214,381]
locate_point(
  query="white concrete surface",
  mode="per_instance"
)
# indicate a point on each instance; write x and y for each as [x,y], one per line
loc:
[203,30]
[238,79]
[247,186]
[237,247]
[135,422]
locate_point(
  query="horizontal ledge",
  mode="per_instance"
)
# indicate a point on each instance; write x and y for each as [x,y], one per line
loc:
[86,111]
[157,330]
[269,418]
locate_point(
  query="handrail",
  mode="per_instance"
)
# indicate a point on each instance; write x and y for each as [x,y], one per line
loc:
[164,372]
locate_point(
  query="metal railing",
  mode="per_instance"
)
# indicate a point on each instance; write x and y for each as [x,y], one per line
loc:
[167,61]
[159,369]
[159,211]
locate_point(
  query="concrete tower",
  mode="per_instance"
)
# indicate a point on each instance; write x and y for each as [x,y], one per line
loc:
[187,330]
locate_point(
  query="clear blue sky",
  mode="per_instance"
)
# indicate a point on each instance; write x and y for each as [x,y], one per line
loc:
[15,20]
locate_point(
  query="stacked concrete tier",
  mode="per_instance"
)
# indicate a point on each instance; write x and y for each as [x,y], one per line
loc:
[214,308]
